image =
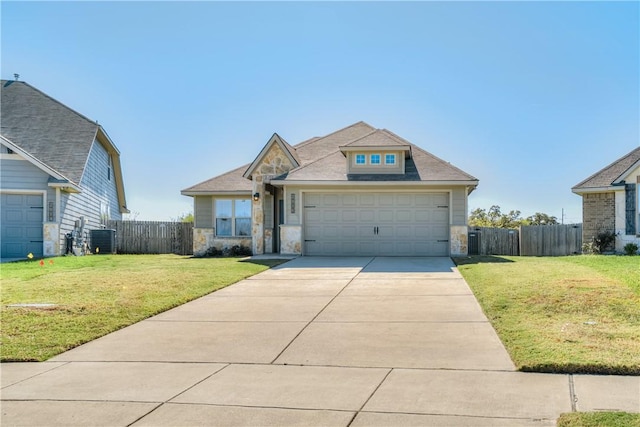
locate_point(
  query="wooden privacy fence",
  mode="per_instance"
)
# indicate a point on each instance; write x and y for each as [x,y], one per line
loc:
[551,240]
[153,237]
[493,241]
[531,240]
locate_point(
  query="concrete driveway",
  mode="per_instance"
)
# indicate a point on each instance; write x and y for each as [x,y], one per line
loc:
[315,341]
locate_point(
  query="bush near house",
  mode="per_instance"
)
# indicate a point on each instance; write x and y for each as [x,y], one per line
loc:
[575,314]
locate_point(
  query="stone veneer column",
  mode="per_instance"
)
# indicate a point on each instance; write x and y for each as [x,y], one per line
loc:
[257,213]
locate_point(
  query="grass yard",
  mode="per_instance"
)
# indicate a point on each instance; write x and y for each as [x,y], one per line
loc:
[96,295]
[576,314]
[599,419]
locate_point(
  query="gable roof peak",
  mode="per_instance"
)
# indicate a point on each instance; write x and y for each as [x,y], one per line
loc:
[275,140]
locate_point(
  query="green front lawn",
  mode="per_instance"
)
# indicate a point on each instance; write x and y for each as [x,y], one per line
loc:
[576,314]
[95,295]
[599,419]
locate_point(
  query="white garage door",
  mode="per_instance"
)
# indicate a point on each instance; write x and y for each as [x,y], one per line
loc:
[21,228]
[381,224]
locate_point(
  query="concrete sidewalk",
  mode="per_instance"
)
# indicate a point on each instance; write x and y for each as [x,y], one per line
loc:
[315,341]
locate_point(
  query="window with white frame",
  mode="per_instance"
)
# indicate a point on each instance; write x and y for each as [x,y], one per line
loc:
[389,159]
[233,217]
[361,159]
[109,165]
[375,159]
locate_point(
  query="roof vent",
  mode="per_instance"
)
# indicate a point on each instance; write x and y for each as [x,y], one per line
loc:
[16,76]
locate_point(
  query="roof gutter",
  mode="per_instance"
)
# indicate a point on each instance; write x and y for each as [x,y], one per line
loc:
[215,193]
[374,183]
[589,190]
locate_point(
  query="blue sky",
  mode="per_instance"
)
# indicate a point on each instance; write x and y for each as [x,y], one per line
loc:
[529,97]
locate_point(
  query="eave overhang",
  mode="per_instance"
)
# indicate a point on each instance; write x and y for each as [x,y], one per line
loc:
[215,193]
[607,189]
[103,138]
[283,182]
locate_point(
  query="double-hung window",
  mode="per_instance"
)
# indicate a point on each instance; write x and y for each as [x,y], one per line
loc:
[375,159]
[233,217]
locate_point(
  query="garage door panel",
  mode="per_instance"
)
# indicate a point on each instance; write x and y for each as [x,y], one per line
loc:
[367,215]
[21,225]
[386,215]
[13,215]
[367,200]
[34,215]
[350,200]
[330,215]
[349,216]
[440,216]
[386,200]
[373,224]
[404,215]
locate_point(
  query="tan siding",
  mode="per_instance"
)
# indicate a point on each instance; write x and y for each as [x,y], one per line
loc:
[203,211]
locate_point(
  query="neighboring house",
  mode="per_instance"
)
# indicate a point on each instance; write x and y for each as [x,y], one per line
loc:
[610,200]
[58,169]
[357,191]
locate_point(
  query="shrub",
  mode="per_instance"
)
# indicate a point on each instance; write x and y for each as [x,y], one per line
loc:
[233,251]
[603,240]
[630,249]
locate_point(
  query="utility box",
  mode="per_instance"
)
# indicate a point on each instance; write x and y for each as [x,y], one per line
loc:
[103,241]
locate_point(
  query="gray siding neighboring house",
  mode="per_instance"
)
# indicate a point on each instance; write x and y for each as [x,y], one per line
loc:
[611,201]
[357,191]
[58,163]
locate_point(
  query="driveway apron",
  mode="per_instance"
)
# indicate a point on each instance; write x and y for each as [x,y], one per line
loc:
[315,341]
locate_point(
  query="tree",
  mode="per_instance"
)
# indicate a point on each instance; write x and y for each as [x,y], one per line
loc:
[540,218]
[495,218]
[185,217]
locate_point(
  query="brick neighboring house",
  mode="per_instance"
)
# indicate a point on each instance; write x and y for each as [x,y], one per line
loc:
[610,201]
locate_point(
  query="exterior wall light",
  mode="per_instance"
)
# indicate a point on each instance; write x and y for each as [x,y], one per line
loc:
[256,197]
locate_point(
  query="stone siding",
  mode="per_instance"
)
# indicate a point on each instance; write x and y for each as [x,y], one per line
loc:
[50,234]
[598,214]
[459,240]
[202,240]
[291,239]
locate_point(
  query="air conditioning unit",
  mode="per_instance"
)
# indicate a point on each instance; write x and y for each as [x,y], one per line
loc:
[103,241]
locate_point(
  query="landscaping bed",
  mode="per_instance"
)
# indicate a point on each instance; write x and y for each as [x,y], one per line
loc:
[53,305]
[576,314]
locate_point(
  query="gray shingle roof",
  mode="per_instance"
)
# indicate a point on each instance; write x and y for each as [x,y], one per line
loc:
[322,160]
[609,174]
[378,138]
[48,130]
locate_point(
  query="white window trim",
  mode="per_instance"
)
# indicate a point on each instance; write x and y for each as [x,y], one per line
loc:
[232,218]
[355,159]
[379,159]
[394,159]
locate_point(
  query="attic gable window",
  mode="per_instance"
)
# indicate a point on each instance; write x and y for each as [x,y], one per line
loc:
[389,159]
[361,159]
[375,159]
[109,169]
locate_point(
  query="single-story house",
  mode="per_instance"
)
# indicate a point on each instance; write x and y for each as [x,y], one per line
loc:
[356,191]
[59,173]
[610,201]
